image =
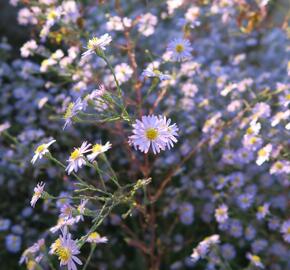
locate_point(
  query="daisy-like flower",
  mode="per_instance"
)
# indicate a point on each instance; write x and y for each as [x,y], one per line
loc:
[151,72]
[263,211]
[72,109]
[38,190]
[77,158]
[81,209]
[98,149]
[264,154]
[96,44]
[155,132]
[179,49]
[204,246]
[66,251]
[95,238]
[41,150]
[255,260]
[285,230]
[221,213]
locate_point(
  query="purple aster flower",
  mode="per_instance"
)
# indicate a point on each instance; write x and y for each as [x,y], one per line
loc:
[179,49]
[245,200]
[155,132]
[236,229]
[67,251]
[186,212]
[228,251]
[263,211]
[285,230]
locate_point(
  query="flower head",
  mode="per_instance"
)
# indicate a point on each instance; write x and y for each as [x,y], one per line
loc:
[95,238]
[66,249]
[77,159]
[221,213]
[255,260]
[285,230]
[98,149]
[179,49]
[95,44]
[38,190]
[41,150]
[155,132]
[72,109]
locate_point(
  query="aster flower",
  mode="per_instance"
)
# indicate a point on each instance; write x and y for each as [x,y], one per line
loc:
[221,213]
[151,72]
[98,149]
[63,223]
[263,211]
[179,49]
[72,109]
[96,44]
[280,167]
[77,158]
[81,209]
[38,190]
[67,251]
[95,238]
[155,132]
[123,72]
[255,260]
[204,246]
[41,150]
[264,154]
[285,230]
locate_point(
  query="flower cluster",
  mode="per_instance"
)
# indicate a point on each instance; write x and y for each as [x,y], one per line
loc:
[153,125]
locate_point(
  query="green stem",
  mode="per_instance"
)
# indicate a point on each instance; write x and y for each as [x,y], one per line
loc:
[93,247]
[64,167]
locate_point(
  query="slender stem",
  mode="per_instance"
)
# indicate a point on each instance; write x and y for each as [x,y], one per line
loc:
[93,247]
[64,167]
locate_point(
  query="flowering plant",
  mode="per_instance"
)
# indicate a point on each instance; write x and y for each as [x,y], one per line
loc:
[157,134]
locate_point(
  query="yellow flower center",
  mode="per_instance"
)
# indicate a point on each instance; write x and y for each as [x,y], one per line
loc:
[40,148]
[97,148]
[52,15]
[75,154]
[256,259]
[253,140]
[63,254]
[288,230]
[262,153]
[260,209]
[250,130]
[94,235]
[288,97]
[92,43]
[151,134]
[220,211]
[68,111]
[279,165]
[179,48]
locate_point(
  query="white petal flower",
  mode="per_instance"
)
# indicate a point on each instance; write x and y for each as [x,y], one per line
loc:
[38,190]
[95,238]
[98,149]
[41,150]
[97,44]
[77,158]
